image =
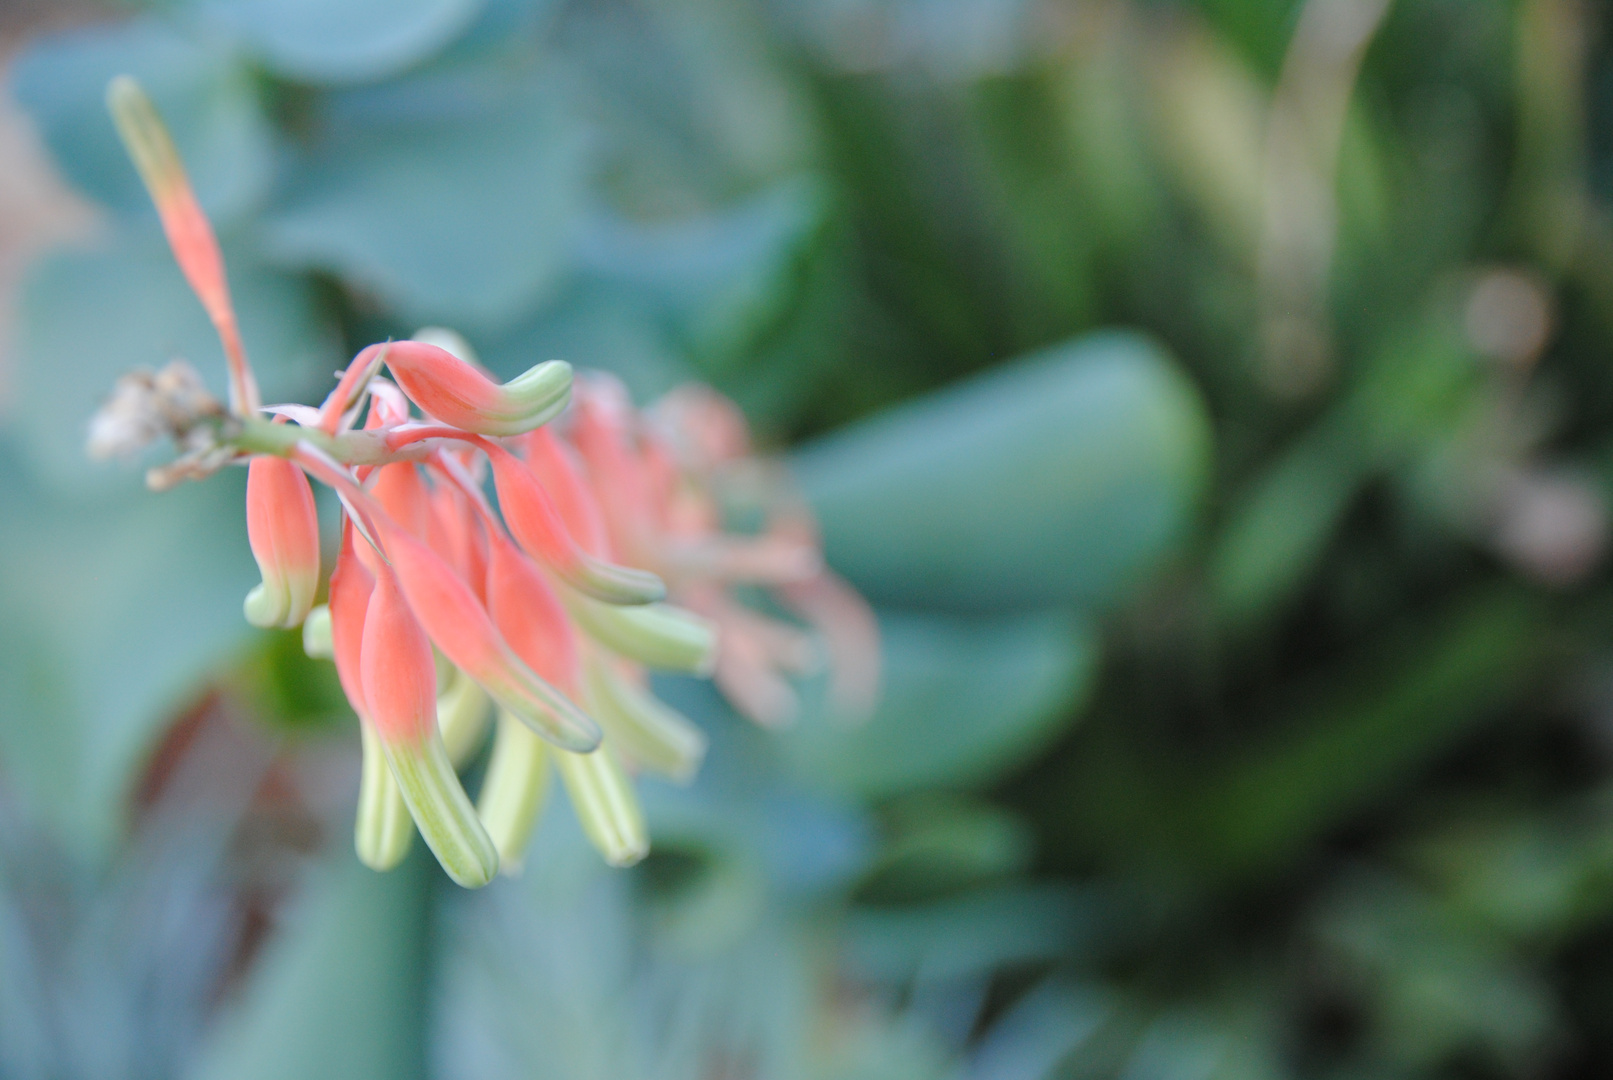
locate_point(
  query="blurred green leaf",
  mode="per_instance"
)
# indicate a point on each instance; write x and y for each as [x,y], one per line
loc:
[110,613]
[208,98]
[449,196]
[325,41]
[1065,476]
[88,315]
[340,991]
[1043,1030]
[964,700]
[971,934]
[938,844]
[719,280]
[1346,738]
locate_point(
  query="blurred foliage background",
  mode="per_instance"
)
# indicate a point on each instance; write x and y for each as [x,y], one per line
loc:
[1213,396]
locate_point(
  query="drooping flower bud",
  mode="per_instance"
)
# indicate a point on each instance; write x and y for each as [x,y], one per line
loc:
[400,689]
[448,389]
[606,804]
[463,708]
[316,640]
[537,525]
[459,625]
[383,829]
[532,620]
[283,529]
[556,467]
[649,733]
[402,493]
[660,635]
[513,791]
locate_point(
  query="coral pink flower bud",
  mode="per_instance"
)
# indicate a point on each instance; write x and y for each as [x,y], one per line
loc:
[382,828]
[350,588]
[283,529]
[537,525]
[530,616]
[457,536]
[400,687]
[402,492]
[556,466]
[460,626]
[457,393]
[398,670]
[189,233]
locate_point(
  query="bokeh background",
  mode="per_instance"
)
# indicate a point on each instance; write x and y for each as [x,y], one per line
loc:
[1214,397]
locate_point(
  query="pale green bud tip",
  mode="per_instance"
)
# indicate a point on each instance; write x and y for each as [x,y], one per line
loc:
[514,790]
[606,804]
[316,637]
[659,635]
[383,830]
[280,603]
[462,711]
[145,137]
[651,734]
[442,811]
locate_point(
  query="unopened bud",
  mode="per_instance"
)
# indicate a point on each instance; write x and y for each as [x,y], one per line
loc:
[316,638]
[457,622]
[513,790]
[650,734]
[457,393]
[283,528]
[536,524]
[659,635]
[607,806]
[400,688]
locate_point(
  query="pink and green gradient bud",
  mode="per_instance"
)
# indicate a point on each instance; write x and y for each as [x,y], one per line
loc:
[458,623]
[190,234]
[400,690]
[282,527]
[382,827]
[455,392]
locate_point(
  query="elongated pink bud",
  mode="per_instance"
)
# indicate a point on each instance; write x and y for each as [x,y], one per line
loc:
[399,672]
[530,616]
[537,525]
[283,529]
[350,588]
[556,467]
[190,235]
[402,492]
[382,828]
[457,393]
[458,537]
[460,626]
[400,686]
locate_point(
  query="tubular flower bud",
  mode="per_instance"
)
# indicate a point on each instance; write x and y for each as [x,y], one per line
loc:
[513,790]
[648,733]
[400,689]
[455,619]
[462,711]
[316,640]
[659,635]
[189,233]
[457,393]
[382,830]
[606,805]
[283,528]
[560,473]
[536,524]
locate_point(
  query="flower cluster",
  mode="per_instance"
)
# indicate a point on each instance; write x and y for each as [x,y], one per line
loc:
[548,612]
